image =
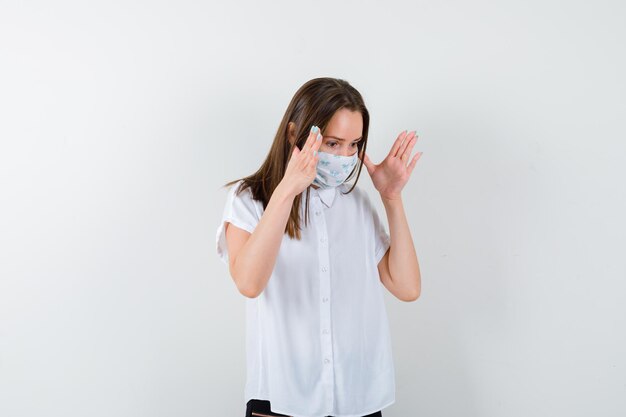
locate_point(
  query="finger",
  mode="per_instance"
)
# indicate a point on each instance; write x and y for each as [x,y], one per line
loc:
[310,157]
[367,161]
[317,143]
[312,165]
[406,142]
[303,160]
[310,153]
[309,141]
[409,148]
[396,144]
[414,162]
[368,164]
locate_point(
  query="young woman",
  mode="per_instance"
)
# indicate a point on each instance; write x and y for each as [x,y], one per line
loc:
[317,335]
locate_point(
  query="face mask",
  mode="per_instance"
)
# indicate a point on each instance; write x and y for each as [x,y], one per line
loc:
[332,169]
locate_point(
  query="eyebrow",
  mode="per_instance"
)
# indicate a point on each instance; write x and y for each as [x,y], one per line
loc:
[335,137]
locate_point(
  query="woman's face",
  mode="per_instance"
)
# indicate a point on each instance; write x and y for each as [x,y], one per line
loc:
[344,131]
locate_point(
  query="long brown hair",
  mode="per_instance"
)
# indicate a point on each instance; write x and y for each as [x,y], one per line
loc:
[314,103]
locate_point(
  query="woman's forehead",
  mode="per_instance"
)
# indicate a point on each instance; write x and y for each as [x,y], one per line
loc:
[345,125]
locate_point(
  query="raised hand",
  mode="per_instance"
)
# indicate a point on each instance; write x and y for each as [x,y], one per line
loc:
[391,175]
[302,166]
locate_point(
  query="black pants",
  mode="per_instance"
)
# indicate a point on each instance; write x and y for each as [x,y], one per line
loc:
[261,408]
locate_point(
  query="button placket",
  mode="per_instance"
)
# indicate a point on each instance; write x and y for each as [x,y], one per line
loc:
[328,375]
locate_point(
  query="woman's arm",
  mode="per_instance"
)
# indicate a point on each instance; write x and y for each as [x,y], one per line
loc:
[252,256]
[399,269]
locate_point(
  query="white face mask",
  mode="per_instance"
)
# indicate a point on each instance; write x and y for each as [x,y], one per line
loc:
[332,170]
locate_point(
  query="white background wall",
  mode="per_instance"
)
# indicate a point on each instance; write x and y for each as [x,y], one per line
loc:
[120,121]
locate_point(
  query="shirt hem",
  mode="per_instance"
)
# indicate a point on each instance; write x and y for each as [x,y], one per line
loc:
[359,414]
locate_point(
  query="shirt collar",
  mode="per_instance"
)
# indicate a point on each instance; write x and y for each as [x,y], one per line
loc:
[327,195]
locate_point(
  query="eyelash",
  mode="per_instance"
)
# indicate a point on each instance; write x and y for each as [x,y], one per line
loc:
[334,143]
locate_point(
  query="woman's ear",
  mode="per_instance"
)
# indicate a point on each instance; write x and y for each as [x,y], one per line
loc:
[291,132]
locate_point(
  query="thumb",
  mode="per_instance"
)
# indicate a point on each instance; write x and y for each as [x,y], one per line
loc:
[368,163]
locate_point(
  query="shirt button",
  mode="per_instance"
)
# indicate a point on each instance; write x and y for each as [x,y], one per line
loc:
[323,240]
[326,360]
[324,268]
[317,213]
[325,331]
[325,299]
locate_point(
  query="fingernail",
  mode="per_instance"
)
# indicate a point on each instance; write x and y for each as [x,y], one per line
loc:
[314,129]
[319,136]
[314,153]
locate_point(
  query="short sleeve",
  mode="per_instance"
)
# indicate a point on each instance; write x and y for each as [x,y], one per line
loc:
[242,211]
[381,238]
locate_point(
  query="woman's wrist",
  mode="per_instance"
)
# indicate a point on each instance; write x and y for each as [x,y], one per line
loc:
[283,192]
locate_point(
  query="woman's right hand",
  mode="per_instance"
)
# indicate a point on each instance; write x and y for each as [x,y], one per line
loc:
[302,166]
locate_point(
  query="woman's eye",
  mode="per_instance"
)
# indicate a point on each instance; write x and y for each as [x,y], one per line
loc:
[333,144]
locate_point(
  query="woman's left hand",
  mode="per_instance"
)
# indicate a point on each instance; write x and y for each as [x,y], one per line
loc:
[390,176]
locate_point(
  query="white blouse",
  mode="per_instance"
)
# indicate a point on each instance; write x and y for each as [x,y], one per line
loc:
[317,337]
